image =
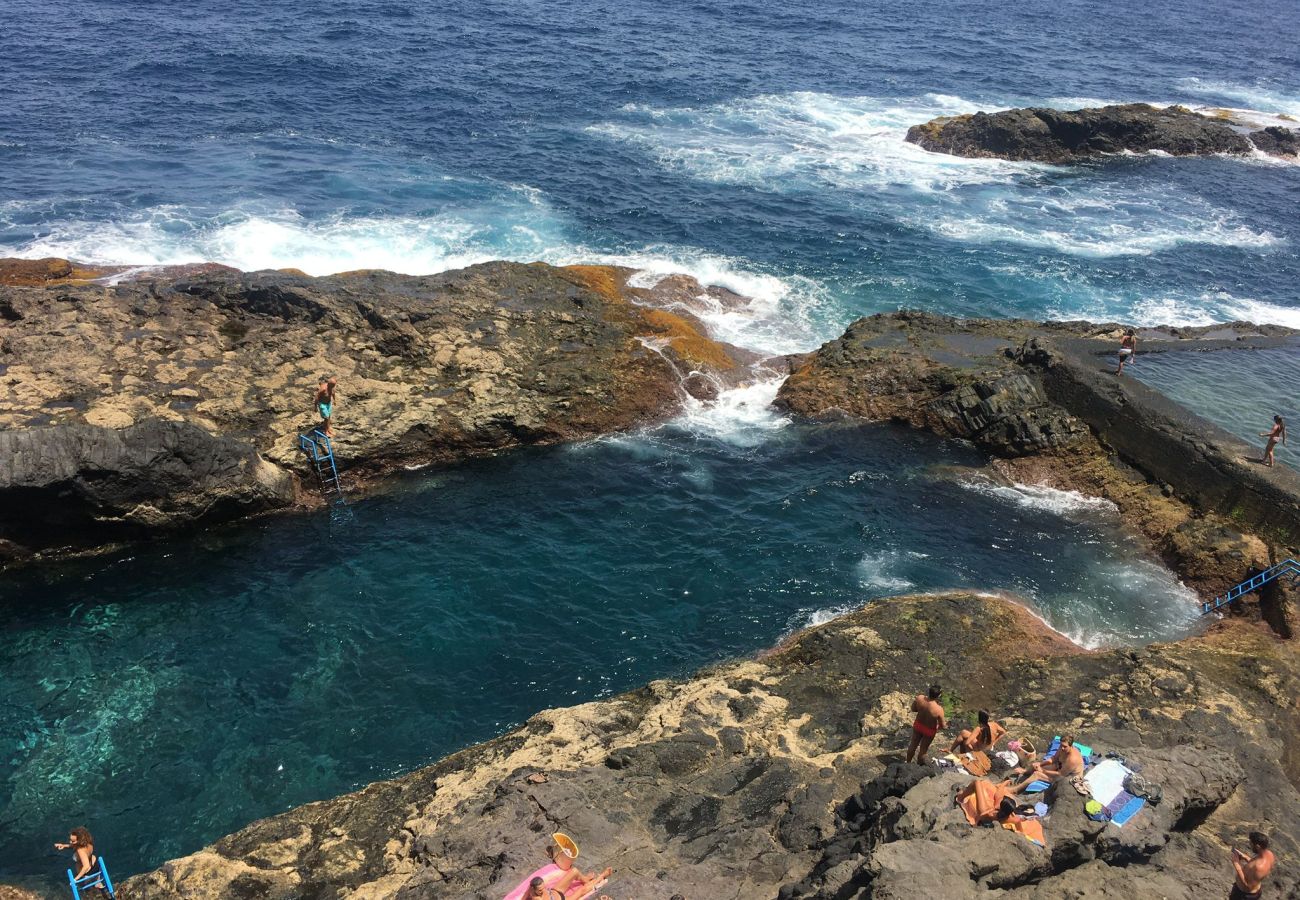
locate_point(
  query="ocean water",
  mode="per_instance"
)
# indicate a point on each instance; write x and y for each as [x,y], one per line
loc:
[171,695]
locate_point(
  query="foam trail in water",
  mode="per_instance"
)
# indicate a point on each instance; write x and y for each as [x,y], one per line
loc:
[1256,97]
[1040,497]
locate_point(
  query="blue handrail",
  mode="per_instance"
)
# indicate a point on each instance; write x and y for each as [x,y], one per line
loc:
[1254,583]
[96,878]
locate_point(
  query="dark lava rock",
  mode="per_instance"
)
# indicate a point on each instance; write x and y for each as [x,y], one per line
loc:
[1058,136]
[1277,141]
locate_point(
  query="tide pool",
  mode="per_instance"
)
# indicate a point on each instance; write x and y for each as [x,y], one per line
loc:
[175,694]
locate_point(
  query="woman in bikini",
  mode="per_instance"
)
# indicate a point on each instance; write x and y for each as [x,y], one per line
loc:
[983,737]
[1275,434]
[83,847]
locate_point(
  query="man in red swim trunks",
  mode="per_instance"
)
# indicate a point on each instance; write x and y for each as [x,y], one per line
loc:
[929,722]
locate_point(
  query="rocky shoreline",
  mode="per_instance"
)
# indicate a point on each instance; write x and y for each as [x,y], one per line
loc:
[136,404]
[783,774]
[170,400]
[1058,136]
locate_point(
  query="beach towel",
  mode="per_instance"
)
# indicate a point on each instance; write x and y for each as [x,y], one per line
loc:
[1122,799]
[1131,809]
[549,874]
[1037,787]
[1105,780]
[1030,829]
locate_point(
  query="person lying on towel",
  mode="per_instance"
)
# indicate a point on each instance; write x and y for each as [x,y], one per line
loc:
[984,802]
[984,736]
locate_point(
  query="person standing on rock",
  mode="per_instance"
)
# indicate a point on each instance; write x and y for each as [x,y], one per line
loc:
[325,403]
[1274,434]
[929,721]
[1128,346]
[1251,870]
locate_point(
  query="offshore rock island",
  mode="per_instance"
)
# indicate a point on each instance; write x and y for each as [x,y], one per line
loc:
[134,404]
[1059,136]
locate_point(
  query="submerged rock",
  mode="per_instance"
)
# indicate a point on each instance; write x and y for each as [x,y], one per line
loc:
[175,398]
[1059,136]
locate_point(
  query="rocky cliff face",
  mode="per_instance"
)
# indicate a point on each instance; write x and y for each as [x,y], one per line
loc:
[784,774]
[1058,136]
[175,398]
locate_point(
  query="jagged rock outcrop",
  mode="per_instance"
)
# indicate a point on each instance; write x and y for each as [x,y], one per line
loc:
[1041,399]
[175,398]
[1277,141]
[953,377]
[786,770]
[913,839]
[1060,136]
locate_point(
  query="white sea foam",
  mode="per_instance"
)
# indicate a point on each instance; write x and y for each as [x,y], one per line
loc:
[806,140]
[1098,220]
[1257,97]
[519,227]
[880,571]
[741,416]
[851,150]
[781,316]
[1178,310]
[1040,497]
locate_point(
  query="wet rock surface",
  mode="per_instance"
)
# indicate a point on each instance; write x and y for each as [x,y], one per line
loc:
[175,398]
[1060,136]
[784,774]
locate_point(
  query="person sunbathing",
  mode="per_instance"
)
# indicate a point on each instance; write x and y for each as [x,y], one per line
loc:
[1066,762]
[986,799]
[574,884]
[983,737]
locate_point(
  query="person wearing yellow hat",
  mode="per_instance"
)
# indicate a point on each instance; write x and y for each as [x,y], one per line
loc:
[574,884]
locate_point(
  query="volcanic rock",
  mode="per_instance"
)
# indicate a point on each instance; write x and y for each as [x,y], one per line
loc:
[1057,136]
[175,398]
[784,774]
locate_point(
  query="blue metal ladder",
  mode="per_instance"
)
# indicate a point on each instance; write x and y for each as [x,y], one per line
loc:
[95,878]
[320,450]
[1254,583]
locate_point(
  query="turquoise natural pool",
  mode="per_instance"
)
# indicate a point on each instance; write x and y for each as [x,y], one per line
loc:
[175,694]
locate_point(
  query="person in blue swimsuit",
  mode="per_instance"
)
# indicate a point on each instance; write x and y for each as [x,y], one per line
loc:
[325,403]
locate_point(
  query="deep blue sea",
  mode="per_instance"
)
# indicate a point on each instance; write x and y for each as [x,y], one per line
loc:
[171,695]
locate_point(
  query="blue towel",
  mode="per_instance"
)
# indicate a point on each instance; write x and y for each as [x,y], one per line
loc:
[1037,786]
[1129,811]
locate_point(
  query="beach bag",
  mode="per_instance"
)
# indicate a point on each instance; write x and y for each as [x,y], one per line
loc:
[1140,786]
[1024,749]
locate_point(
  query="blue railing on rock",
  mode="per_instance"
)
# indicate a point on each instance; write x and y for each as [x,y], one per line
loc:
[95,878]
[1254,583]
[320,450]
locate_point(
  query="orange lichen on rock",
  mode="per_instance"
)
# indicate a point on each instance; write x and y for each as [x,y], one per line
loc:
[51,270]
[687,340]
[604,280]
